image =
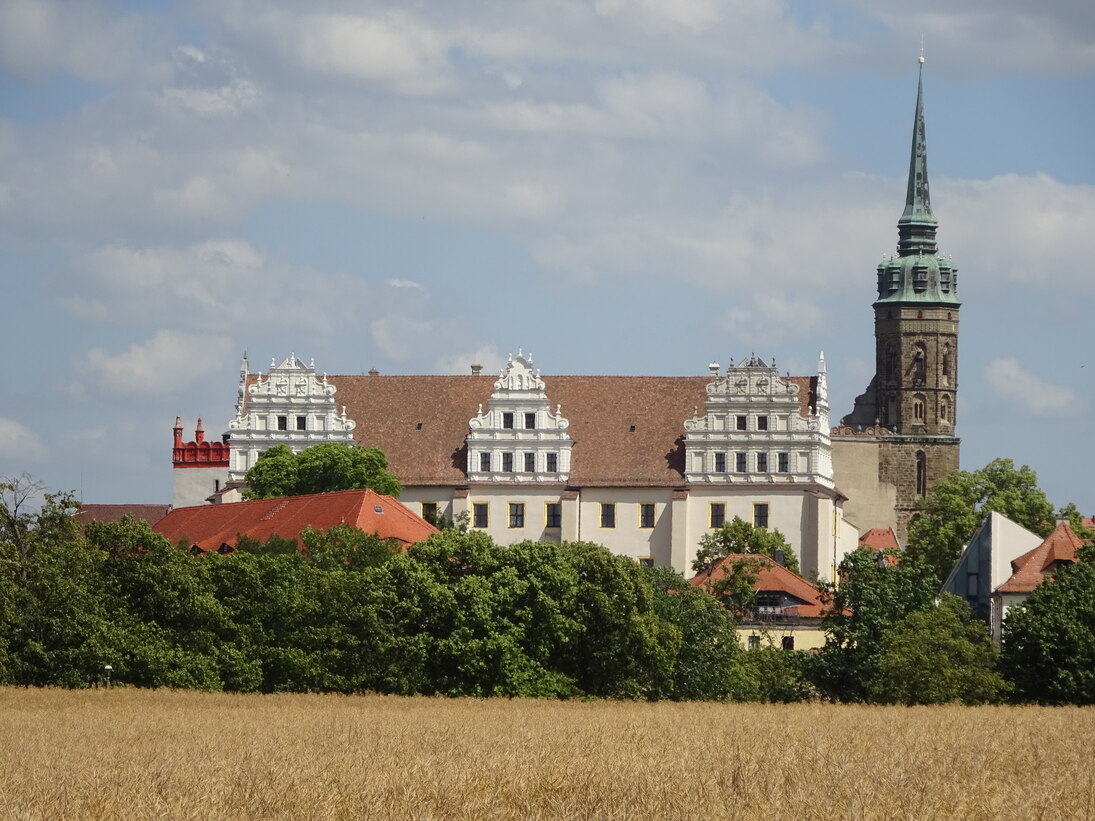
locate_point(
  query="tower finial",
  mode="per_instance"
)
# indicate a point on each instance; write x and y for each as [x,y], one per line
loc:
[921,49]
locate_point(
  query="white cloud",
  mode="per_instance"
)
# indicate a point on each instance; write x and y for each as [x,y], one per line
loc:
[1033,230]
[39,36]
[17,441]
[388,46]
[1012,383]
[405,283]
[228,100]
[167,363]
[1051,37]
[771,319]
[488,356]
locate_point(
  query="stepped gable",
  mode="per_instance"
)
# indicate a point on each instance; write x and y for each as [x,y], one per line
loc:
[1030,569]
[601,411]
[114,513]
[771,578]
[210,526]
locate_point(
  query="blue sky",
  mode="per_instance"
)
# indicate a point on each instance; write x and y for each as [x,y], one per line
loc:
[619,186]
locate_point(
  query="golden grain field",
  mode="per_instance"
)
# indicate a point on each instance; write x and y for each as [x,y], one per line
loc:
[123,753]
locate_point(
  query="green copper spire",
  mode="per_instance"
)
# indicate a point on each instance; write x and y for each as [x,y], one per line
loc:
[916,228]
[917,274]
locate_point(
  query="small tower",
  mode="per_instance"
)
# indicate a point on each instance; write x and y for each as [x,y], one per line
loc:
[910,405]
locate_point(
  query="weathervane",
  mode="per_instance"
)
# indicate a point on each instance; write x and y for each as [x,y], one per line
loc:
[921,49]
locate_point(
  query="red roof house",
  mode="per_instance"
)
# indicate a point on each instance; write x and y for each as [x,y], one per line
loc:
[786,604]
[1030,570]
[210,526]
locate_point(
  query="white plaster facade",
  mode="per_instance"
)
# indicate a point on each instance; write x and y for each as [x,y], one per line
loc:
[518,438]
[985,562]
[288,406]
[194,485]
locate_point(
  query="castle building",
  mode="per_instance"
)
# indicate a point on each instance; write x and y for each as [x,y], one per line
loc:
[648,465]
[643,465]
[900,438]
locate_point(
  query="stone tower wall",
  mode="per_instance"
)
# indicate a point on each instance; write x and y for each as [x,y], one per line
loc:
[898,465]
[917,363]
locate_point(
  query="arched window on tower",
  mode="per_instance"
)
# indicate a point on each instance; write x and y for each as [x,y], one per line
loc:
[918,408]
[946,371]
[945,410]
[921,473]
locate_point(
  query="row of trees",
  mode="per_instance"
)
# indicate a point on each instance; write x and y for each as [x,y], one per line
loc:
[460,615]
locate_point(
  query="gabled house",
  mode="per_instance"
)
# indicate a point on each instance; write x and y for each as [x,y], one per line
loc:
[1030,570]
[210,528]
[786,612]
[985,562]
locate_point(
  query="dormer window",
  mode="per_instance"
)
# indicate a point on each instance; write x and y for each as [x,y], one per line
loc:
[302,423]
[530,421]
[507,420]
[920,278]
[484,462]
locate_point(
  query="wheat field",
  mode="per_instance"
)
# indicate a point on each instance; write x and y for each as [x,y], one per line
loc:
[124,753]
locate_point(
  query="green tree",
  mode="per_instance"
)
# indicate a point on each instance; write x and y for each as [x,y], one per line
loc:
[738,536]
[872,596]
[1071,514]
[779,676]
[23,527]
[62,634]
[1049,641]
[951,511]
[937,656]
[164,606]
[345,547]
[734,586]
[324,468]
[710,664]
[273,474]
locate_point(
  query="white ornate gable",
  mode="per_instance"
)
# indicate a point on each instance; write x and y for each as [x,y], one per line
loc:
[518,438]
[752,429]
[290,405]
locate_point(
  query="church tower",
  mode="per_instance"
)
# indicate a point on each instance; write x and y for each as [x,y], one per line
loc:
[910,407]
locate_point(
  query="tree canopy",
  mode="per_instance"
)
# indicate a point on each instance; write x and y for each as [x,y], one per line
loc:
[738,536]
[873,595]
[951,511]
[322,468]
[1049,640]
[937,656]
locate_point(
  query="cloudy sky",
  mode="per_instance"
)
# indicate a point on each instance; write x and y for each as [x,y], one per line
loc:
[619,186]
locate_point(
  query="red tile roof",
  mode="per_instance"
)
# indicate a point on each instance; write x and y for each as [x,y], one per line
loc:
[209,526]
[601,410]
[772,578]
[880,538]
[1032,567]
[114,513]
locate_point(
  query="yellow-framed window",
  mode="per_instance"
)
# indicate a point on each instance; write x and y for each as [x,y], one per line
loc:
[480,514]
[516,514]
[608,514]
[553,514]
[646,514]
[760,514]
[429,512]
[716,514]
